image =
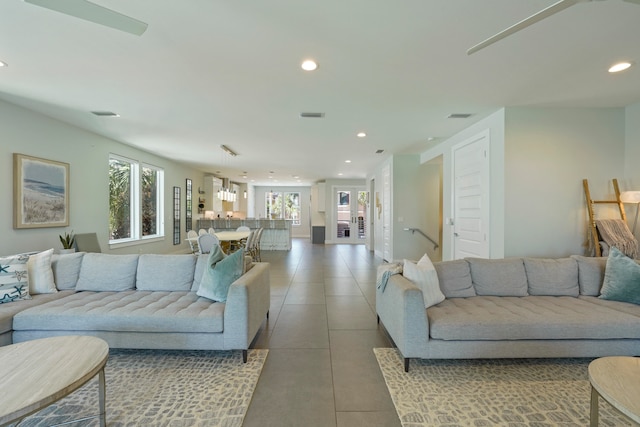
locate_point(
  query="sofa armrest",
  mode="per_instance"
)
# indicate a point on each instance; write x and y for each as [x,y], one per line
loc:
[247,306]
[401,309]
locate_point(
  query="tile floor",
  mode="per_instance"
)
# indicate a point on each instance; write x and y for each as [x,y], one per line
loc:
[321,370]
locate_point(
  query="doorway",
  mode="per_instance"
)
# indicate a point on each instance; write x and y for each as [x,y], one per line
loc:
[351,216]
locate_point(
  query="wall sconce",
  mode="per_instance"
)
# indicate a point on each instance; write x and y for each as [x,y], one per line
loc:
[245,194]
[632,197]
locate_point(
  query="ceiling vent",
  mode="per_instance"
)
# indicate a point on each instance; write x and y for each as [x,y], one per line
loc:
[312,115]
[459,116]
[105,113]
[379,151]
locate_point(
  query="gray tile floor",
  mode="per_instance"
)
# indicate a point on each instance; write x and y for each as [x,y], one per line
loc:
[321,370]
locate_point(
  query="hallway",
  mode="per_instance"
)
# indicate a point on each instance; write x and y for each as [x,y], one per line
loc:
[321,370]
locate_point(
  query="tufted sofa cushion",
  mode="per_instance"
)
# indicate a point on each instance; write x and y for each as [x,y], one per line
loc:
[130,311]
[531,317]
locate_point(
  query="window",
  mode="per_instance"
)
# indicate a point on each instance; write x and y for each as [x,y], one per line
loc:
[292,207]
[135,200]
[273,205]
[279,206]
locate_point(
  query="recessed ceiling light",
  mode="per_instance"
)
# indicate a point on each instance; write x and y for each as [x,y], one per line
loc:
[3,64]
[620,66]
[340,174]
[361,134]
[347,161]
[309,65]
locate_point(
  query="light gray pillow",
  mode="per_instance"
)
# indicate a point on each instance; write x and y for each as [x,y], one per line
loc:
[165,272]
[103,272]
[455,278]
[553,277]
[590,274]
[66,270]
[498,277]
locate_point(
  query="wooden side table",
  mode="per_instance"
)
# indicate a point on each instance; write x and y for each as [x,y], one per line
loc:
[617,380]
[37,373]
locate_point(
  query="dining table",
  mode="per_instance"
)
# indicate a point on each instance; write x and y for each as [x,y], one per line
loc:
[231,241]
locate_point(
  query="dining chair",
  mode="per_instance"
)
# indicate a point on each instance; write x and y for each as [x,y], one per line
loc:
[212,230]
[257,244]
[202,231]
[206,242]
[249,247]
[243,228]
[192,237]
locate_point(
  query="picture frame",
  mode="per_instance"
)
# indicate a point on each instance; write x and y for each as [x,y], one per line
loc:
[40,192]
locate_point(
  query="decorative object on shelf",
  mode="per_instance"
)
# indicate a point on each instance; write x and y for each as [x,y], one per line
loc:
[68,241]
[41,192]
[189,208]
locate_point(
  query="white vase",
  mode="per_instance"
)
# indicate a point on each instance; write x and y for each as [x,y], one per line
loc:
[67,251]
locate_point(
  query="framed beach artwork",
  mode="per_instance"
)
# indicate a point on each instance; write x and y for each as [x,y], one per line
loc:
[40,192]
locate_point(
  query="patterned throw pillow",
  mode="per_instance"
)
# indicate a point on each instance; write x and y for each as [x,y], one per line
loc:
[14,280]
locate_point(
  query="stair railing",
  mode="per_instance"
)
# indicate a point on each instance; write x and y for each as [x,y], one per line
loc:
[413,230]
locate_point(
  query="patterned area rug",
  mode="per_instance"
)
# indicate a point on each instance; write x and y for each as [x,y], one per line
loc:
[499,392]
[164,388]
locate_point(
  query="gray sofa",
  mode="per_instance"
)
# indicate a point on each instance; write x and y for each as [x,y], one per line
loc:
[142,301]
[510,308]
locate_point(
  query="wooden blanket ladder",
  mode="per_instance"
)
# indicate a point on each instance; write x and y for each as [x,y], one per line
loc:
[593,232]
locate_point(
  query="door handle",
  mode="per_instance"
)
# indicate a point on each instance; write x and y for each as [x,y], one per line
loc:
[456,234]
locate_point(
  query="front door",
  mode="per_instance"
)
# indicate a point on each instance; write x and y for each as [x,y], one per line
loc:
[350,215]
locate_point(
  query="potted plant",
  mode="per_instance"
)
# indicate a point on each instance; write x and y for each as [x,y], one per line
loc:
[67,240]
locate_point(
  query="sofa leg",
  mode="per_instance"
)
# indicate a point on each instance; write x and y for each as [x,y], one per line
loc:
[378,318]
[245,355]
[267,314]
[406,364]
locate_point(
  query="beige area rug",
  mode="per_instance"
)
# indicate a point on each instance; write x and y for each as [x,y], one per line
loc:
[164,388]
[500,392]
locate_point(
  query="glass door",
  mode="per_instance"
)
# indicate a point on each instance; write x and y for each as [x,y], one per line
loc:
[351,215]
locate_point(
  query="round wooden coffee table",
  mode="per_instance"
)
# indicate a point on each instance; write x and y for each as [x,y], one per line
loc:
[37,373]
[617,380]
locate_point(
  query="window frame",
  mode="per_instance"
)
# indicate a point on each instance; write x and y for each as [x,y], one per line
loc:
[136,203]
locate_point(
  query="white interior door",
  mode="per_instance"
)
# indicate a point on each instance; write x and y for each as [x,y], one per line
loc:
[387,253]
[471,198]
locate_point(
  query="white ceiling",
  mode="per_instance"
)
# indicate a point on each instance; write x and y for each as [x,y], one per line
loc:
[211,72]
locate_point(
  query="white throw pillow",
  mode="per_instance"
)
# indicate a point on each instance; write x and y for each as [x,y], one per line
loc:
[424,276]
[40,273]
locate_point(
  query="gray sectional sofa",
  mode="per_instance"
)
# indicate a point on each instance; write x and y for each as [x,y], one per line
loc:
[510,308]
[141,301]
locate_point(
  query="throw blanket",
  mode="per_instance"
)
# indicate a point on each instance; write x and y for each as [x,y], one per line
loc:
[616,233]
[385,271]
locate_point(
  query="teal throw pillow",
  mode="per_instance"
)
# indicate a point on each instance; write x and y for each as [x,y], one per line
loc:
[221,272]
[621,278]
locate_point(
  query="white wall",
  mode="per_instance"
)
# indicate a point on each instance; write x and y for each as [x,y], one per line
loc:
[30,133]
[548,152]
